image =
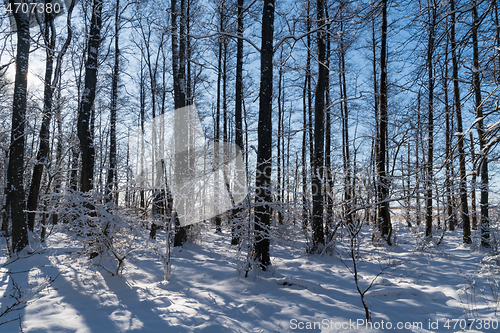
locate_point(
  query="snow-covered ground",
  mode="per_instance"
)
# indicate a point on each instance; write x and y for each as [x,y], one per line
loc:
[423,288]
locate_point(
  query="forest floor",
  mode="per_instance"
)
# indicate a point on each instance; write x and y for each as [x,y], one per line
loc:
[423,288]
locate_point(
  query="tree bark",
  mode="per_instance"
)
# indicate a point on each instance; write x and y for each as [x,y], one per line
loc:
[218,219]
[461,153]
[179,73]
[485,220]
[384,182]
[111,185]
[344,111]
[450,214]
[264,134]
[238,101]
[84,113]
[430,129]
[473,183]
[16,202]
[318,238]
[329,184]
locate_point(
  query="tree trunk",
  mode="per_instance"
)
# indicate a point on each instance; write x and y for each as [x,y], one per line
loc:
[84,113]
[430,129]
[344,111]
[111,185]
[308,87]
[318,238]
[305,211]
[384,182]
[450,214]
[179,73]
[328,142]
[264,134]
[279,151]
[375,144]
[218,219]
[15,186]
[418,141]
[239,101]
[461,153]
[473,183]
[485,220]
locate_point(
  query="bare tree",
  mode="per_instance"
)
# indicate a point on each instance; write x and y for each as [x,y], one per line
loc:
[263,196]
[458,109]
[476,79]
[239,98]
[112,170]
[88,97]
[15,200]
[318,236]
[430,109]
[384,217]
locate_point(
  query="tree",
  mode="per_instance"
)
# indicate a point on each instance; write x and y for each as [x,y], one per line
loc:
[458,109]
[344,111]
[307,119]
[15,201]
[384,218]
[476,80]
[430,110]
[239,97]
[264,133]
[51,80]
[329,183]
[221,11]
[112,171]
[450,214]
[318,237]
[179,74]
[88,97]
[473,181]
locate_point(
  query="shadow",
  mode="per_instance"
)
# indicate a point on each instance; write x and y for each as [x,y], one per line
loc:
[136,313]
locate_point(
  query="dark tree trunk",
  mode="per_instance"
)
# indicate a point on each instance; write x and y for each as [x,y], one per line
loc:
[485,220]
[142,115]
[264,132]
[179,73]
[305,212]
[376,92]
[318,237]
[239,100]
[218,219]
[279,138]
[59,146]
[344,111]
[16,202]
[473,183]
[111,187]
[84,113]
[328,142]
[384,182]
[450,214]
[430,129]
[307,121]
[418,141]
[461,153]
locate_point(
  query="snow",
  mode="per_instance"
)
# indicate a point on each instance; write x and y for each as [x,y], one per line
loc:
[208,292]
